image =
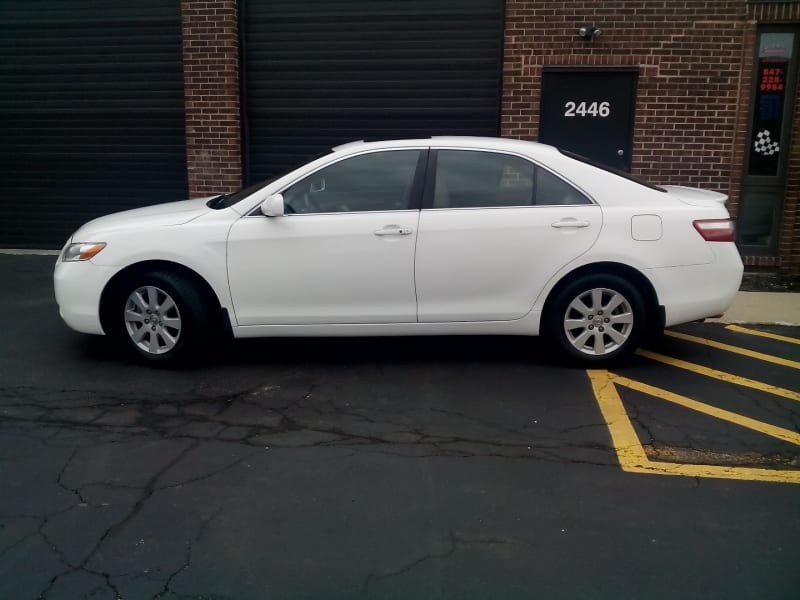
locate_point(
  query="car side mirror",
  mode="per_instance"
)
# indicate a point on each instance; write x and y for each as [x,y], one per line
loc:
[273,206]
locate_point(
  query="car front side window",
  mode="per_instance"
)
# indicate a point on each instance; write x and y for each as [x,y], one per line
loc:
[378,181]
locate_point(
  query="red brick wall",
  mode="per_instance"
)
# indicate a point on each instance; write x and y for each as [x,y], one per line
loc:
[695,60]
[740,140]
[790,233]
[211,87]
[689,54]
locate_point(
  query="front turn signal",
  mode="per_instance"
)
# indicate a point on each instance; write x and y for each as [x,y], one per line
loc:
[84,251]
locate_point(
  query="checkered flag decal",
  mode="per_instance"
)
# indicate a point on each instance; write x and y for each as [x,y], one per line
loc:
[764,144]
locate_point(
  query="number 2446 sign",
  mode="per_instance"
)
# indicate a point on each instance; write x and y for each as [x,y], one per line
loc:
[587,109]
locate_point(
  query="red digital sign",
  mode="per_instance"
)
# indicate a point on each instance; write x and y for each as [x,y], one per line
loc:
[772,79]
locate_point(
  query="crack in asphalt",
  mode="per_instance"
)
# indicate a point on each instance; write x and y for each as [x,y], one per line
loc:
[19,542]
[466,417]
[208,475]
[279,416]
[148,490]
[187,562]
[298,412]
[398,433]
[634,414]
[453,542]
[60,477]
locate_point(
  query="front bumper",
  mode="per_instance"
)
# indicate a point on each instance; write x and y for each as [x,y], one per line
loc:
[78,287]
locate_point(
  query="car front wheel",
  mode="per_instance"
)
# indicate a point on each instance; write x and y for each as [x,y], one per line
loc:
[162,316]
[598,318]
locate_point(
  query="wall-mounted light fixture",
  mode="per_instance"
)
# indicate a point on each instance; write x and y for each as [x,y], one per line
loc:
[590,32]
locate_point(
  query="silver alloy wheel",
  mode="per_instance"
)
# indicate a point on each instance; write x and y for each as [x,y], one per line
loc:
[152,320]
[598,321]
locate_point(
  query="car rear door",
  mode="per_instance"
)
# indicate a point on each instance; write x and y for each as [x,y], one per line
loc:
[493,231]
[343,253]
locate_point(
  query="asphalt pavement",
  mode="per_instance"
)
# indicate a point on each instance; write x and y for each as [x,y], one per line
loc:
[395,467]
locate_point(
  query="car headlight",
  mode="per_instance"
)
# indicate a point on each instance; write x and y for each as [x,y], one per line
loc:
[83,251]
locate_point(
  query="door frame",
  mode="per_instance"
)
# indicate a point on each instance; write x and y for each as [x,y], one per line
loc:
[595,69]
[771,183]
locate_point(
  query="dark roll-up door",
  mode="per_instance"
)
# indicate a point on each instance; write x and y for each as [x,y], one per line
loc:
[322,72]
[91,113]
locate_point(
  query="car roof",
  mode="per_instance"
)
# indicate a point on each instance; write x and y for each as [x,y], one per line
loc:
[488,143]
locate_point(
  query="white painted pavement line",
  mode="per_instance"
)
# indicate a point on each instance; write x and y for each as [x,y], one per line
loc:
[29,252]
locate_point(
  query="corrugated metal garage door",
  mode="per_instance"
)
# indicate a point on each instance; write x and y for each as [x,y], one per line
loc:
[322,72]
[91,113]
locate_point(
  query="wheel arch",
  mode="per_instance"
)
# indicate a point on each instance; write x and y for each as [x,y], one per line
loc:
[655,312]
[112,288]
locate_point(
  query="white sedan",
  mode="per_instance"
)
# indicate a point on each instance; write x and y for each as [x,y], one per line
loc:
[439,236]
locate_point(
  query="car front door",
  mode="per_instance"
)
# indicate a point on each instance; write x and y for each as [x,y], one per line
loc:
[493,230]
[342,253]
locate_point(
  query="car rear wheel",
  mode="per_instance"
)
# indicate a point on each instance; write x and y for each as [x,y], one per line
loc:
[598,318]
[162,317]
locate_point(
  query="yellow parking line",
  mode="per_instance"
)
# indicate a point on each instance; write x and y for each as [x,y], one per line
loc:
[714,471]
[780,433]
[766,334]
[721,375]
[735,349]
[623,436]
[631,454]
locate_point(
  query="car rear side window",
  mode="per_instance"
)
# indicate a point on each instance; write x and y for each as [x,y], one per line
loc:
[480,179]
[369,182]
[551,190]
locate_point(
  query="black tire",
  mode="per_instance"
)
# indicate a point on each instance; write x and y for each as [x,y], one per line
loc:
[162,318]
[584,329]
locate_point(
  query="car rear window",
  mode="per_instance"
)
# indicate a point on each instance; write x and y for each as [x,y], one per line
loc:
[618,172]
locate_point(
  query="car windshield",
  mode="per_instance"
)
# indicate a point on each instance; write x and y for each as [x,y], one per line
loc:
[618,172]
[227,200]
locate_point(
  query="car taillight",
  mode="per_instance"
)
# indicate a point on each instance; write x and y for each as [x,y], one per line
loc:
[716,230]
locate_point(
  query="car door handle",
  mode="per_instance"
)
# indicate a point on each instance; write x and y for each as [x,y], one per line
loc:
[570,222]
[393,230]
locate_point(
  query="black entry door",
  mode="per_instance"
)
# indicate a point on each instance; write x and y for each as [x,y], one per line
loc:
[590,112]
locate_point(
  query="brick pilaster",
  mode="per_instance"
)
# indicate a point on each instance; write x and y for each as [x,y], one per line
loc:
[212,96]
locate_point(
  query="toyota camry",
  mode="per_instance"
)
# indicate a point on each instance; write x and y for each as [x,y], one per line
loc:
[439,236]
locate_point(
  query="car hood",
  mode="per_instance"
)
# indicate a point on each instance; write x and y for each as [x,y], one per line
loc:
[158,215]
[696,196]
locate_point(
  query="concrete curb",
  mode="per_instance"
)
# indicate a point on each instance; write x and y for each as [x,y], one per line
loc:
[766,308]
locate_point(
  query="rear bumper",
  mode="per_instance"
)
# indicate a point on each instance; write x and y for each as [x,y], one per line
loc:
[697,292]
[78,286]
